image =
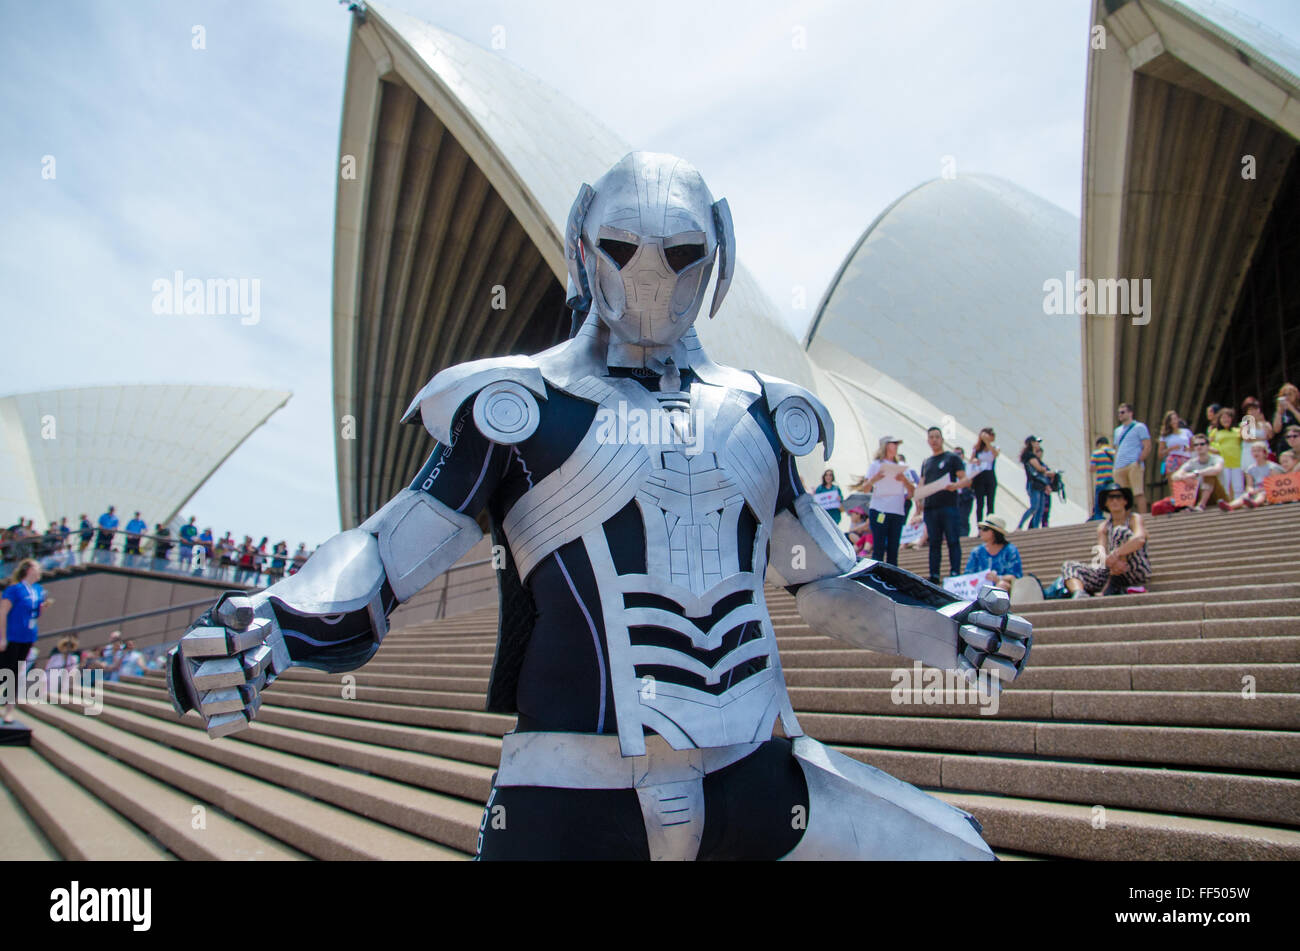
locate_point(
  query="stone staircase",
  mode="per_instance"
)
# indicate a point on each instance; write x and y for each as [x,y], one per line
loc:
[1163,725]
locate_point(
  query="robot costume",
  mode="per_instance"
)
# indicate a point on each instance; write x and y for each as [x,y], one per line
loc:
[640,491]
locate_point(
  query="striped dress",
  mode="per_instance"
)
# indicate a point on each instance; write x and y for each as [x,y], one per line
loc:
[1095,579]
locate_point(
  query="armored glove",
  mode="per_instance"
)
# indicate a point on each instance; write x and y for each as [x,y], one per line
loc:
[992,640]
[884,608]
[223,662]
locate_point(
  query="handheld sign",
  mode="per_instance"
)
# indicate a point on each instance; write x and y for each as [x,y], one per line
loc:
[1282,488]
[930,488]
[1184,493]
[911,533]
[966,587]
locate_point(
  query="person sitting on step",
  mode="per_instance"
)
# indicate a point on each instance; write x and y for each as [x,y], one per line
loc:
[1256,473]
[1205,467]
[994,555]
[1121,563]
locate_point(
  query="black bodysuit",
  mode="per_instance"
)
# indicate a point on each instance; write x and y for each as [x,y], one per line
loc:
[560,679]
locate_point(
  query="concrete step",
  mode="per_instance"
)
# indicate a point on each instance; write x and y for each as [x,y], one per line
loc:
[1072,831]
[402,696]
[800,640]
[397,652]
[443,819]
[316,828]
[1265,799]
[1227,650]
[1267,678]
[477,685]
[437,773]
[462,747]
[1155,613]
[1253,751]
[1188,708]
[189,829]
[1233,594]
[798,644]
[74,821]
[21,839]
[461,721]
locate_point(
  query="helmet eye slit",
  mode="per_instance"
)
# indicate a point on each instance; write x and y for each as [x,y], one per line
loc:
[620,251]
[682,256]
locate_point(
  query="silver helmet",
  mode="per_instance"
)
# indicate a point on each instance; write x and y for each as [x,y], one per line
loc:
[641,245]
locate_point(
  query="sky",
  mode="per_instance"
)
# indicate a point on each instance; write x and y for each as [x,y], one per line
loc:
[202,137]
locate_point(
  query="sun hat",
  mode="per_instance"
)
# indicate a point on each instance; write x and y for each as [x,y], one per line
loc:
[996,523]
[886,440]
[1112,486]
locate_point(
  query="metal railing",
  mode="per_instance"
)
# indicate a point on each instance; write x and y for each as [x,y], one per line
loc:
[163,554]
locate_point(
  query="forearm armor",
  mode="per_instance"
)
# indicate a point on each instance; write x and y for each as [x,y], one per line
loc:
[331,615]
[333,612]
[883,608]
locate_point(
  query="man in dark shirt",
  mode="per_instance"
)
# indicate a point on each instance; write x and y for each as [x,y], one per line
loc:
[940,510]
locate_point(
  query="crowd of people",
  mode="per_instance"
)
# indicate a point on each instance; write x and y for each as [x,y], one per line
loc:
[187,551]
[1228,463]
[937,502]
[21,604]
[1225,464]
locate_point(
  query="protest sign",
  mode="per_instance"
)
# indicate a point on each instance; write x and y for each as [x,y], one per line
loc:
[966,587]
[1282,488]
[1184,492]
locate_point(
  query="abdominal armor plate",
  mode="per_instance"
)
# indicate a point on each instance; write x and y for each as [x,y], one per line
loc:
[692,463]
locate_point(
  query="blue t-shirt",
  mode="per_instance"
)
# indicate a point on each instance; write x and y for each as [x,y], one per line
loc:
[136,526]
[132,664]
[108,521]
[25,602]
[1005,562]
[1128,449]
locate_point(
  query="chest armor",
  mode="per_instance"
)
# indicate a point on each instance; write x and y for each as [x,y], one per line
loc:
[692,653]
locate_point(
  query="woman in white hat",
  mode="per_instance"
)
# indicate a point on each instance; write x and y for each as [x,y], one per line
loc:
[890,488]
[995,556]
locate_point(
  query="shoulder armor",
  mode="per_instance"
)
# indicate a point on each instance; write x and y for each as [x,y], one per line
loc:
[506,410]
[801,419]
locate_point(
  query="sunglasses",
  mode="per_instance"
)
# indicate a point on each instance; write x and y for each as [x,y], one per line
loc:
[1114,495]
[1199,444]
